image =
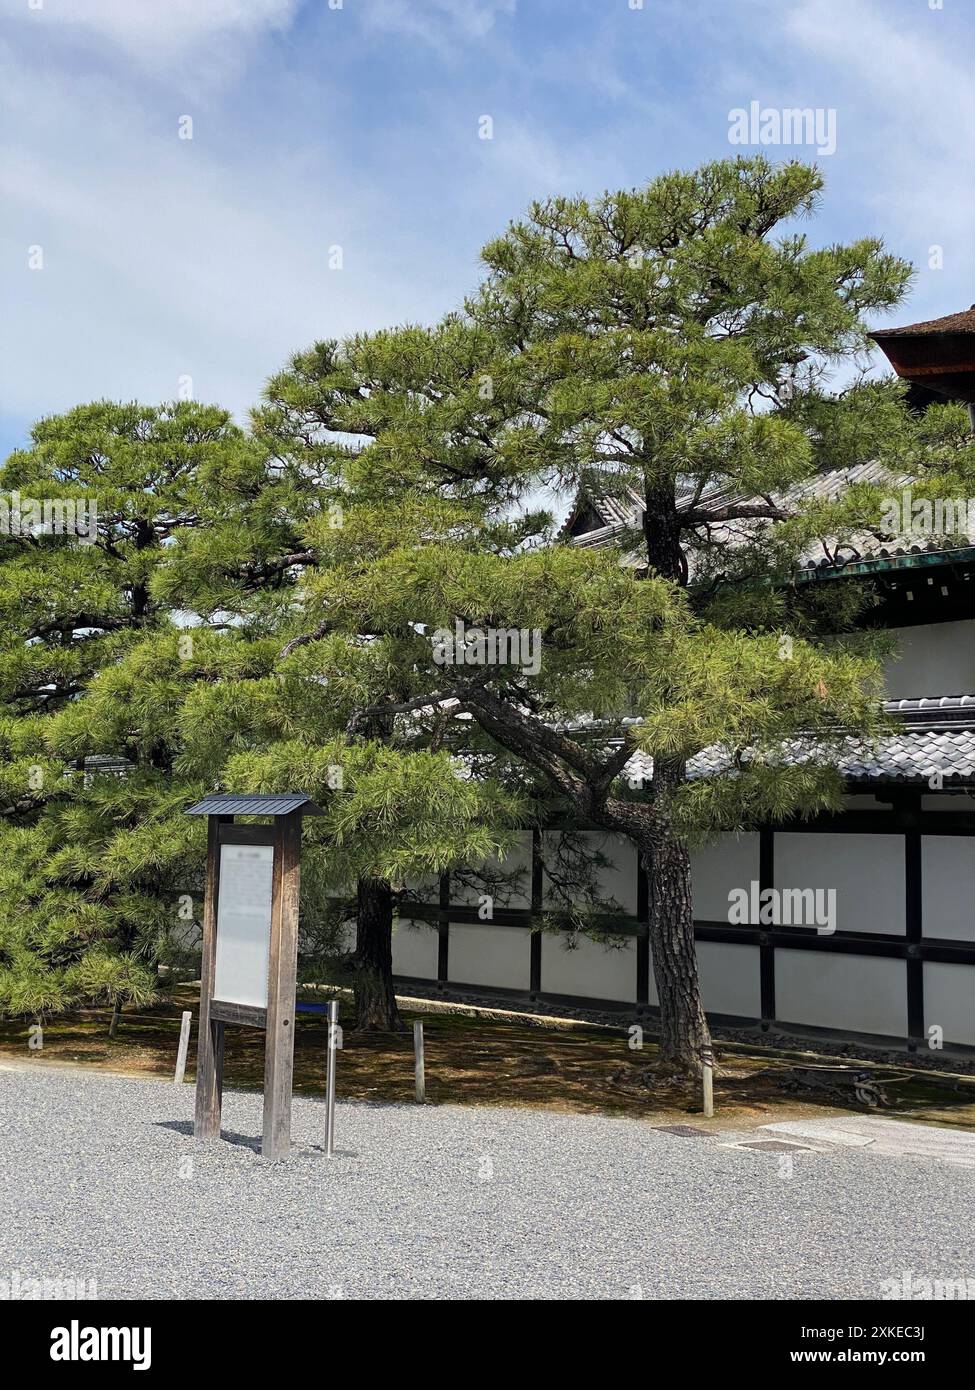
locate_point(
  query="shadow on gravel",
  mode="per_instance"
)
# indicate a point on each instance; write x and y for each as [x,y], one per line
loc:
[186,1127]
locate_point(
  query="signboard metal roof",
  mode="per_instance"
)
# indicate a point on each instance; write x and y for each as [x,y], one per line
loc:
[257,804]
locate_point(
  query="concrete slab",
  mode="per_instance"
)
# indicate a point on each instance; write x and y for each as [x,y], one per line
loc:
[893,1138]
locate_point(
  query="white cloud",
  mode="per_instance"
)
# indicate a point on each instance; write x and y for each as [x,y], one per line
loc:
[210,257]
[163,258]
[906,103]
[154,29]
[437,21]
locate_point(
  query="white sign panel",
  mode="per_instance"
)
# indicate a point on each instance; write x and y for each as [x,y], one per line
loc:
[243,924]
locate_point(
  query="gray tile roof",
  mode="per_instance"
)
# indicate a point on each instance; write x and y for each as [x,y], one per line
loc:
[917,756]
[622,511]
[913,756]
[934,711]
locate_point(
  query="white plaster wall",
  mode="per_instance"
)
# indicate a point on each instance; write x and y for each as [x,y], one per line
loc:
[933,659]
[589,969]
[415,948]
[867,872]
[948,886]
[618,879]
[866,994]
[519,859]
[488,955]
[731,861]
[858,993]
[187,935]
[949,1000]
[730,978]
[423,890]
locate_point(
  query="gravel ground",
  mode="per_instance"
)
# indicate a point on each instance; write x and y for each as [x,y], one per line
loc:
[101,1179]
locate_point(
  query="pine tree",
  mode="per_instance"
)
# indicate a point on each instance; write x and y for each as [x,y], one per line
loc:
[95,852]
[153,665]
[676,345]
[392,813]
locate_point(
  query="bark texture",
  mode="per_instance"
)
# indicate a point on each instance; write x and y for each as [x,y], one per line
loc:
[375,1002]
[683,1026]
[663,855]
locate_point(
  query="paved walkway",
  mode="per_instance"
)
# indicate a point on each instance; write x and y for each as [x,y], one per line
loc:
[891,1138]
[100,1179]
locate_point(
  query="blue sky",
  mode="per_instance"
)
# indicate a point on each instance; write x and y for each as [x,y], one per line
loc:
[355,125]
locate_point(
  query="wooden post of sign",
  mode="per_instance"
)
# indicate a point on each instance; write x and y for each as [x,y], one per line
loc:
[209,1043]
[279,1038]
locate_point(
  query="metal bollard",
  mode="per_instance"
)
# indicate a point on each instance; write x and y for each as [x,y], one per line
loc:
[418,1063]
[333,1028]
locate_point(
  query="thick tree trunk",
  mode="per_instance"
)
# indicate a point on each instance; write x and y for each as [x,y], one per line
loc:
[664,857]
[662,532]
[375,1002]
[683,1025]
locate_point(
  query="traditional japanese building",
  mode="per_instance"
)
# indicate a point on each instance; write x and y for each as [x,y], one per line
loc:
[900,859]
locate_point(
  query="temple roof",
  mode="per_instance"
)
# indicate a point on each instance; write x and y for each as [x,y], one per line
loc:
[916,756]
[622,510]
[963,322]
[938,354]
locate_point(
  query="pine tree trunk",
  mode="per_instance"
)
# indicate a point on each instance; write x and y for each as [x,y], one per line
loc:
[664,857]
[375,1002]
[683,1025]
[116,1014]
[662,532]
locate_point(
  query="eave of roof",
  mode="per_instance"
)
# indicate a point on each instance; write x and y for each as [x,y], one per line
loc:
[919,757]
[937,740]
[963,322]
[885,561]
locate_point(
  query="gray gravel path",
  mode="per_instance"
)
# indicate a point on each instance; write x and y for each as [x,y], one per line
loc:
[101,1179]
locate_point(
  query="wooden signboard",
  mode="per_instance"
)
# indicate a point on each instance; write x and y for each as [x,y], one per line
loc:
[250,951]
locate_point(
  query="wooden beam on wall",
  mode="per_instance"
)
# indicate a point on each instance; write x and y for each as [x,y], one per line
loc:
[535,964]
[766,942]
[914,931]
[644,963]
[443,931]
